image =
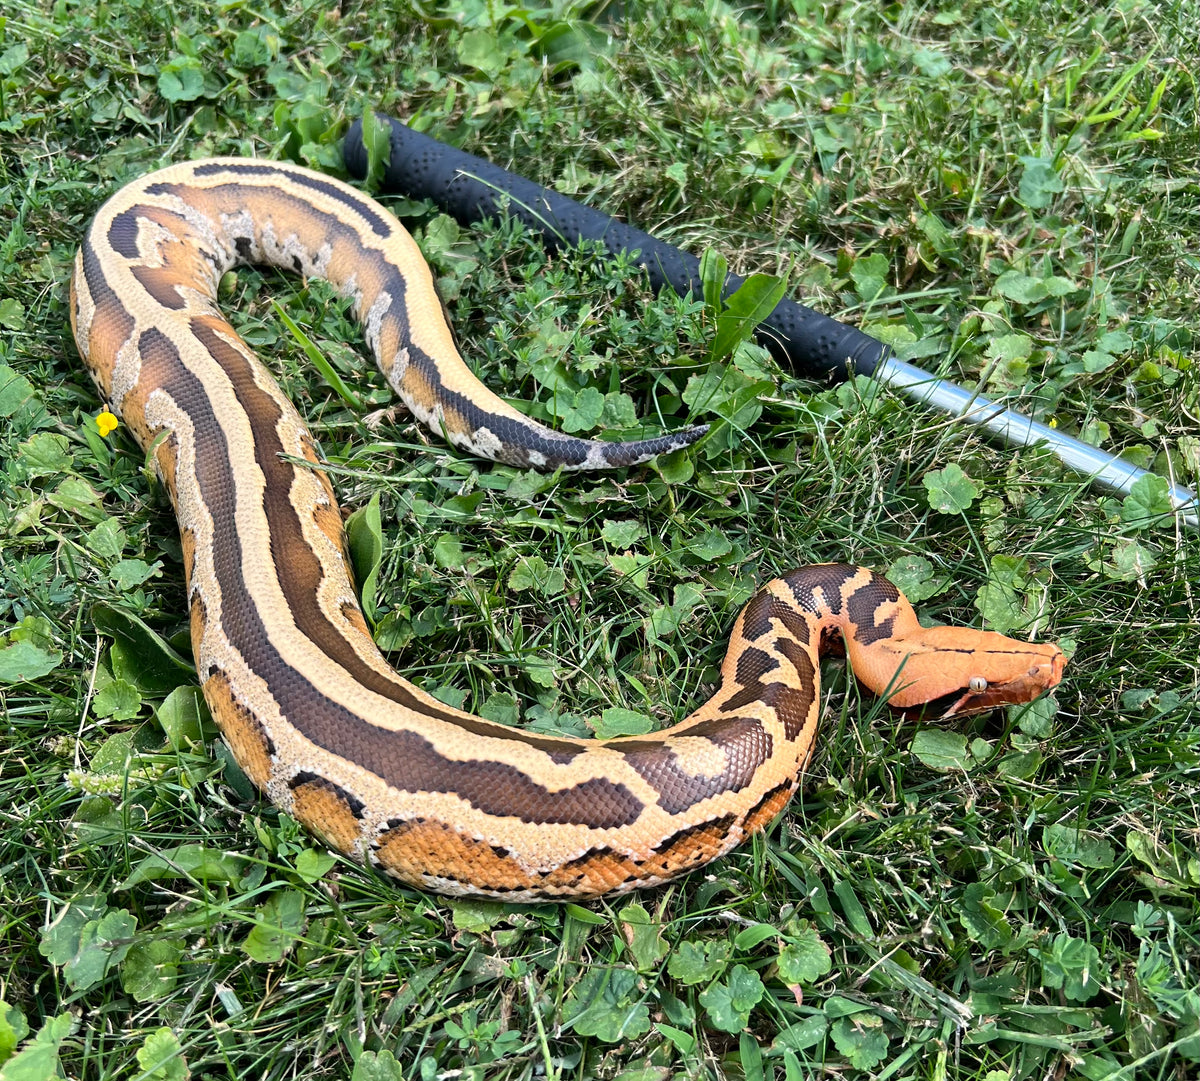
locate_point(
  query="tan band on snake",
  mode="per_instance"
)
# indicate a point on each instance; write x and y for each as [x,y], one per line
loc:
[309,706]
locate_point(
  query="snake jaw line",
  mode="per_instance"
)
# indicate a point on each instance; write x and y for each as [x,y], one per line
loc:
[1037,680]
[310,707]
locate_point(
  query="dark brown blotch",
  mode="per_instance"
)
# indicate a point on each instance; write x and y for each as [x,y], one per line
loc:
[753,664]
[862,605]
[164,284]
[791,704]
[763,608]
[744,742]
[828,578]
[794,711]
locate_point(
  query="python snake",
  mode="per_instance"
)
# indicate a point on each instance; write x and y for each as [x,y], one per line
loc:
[310,708]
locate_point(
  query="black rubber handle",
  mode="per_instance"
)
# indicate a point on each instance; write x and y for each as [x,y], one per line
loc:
[470,189]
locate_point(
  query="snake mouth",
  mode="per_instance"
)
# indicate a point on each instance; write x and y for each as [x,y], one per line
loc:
[965,702]
[950,707]
[978,695]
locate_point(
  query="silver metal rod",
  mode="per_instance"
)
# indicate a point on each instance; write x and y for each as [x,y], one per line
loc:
[1102,468]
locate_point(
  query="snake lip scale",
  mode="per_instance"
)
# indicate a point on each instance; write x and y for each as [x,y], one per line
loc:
[310,708]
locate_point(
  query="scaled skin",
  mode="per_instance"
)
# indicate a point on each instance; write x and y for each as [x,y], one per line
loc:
[311,709]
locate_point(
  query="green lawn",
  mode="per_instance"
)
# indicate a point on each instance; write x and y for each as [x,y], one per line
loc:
[1007,192]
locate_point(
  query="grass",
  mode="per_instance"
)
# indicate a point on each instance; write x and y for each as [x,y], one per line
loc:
[1006,191]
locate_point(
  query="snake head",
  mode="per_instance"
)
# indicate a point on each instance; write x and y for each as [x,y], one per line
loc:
[952,672]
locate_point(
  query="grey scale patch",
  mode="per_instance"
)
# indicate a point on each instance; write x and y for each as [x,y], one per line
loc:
[399,367]
[240,227]
[373,323]
[213,244]
[598,456]
[288,252]
[486,443]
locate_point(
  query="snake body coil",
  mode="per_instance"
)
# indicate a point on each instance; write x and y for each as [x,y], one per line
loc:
[311,709]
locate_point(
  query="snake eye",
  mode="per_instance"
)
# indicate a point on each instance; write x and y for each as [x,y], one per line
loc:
[977,685]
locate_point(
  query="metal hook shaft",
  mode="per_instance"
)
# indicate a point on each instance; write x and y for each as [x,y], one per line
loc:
[1014,429]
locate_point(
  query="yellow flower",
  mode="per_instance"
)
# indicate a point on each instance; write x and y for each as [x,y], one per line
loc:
[106,422]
